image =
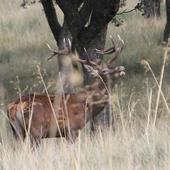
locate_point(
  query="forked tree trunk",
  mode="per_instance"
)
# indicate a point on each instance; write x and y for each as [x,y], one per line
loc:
[167,27]
[60,33]
[65,68]
[91,37]
[151,8]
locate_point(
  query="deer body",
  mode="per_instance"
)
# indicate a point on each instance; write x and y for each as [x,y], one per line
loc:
[40,117]
[73,113]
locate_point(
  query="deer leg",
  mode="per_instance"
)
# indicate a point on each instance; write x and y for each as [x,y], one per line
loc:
[35,141]
[92,126]
[17,130]
[37,133]
[72,135]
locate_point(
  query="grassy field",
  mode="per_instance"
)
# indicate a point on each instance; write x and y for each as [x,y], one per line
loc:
[142,133]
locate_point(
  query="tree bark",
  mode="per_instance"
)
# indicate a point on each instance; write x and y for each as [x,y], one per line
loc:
[97,43]
[52,19]
[167,27]
[65,68]
[85,23]
[151,8]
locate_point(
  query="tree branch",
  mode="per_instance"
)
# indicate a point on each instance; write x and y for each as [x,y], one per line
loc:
[86,10]
[71,14]
[52,18]
[103,12]
[167,27]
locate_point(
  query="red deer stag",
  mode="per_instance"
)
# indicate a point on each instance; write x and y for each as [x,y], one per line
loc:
[33,115]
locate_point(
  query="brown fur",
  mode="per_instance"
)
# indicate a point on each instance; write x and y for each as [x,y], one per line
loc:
[71,116]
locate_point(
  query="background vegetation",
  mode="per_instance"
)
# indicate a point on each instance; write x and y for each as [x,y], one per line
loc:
[136,143]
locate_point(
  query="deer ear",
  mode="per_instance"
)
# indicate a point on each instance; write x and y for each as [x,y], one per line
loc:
[91,70]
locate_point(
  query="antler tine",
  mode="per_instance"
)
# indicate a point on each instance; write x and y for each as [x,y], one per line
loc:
[107,51]
[49,47]
[64,43]
[50,57]
[120,39]
[69,44]
[90,62]
[118,50]
[113,41]
[54,52]
[87,62]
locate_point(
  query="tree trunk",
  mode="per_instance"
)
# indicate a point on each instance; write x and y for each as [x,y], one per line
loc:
[97,43]
[65,68]
[88,37]
[151,8]
[167,27]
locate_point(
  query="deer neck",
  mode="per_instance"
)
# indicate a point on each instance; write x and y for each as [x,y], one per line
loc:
[97,97]
[98,84]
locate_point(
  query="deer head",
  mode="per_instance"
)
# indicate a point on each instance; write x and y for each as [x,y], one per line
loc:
[97,69]
[104,75]
[109,68]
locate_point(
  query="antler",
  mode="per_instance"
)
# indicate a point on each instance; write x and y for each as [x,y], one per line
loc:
[118,50]
[92,66]
[85,62]
[115,49]
[107,51]
[65,51]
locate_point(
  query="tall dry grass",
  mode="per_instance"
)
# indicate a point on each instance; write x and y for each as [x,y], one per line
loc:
[124,149]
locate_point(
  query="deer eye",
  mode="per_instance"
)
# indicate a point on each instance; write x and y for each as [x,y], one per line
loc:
[105,71]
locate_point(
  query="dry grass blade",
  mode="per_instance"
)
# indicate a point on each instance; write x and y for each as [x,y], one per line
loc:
[54,112]
[159,84]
